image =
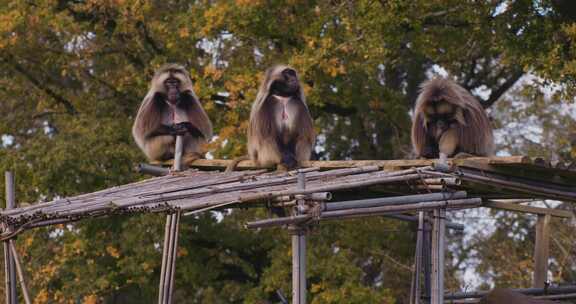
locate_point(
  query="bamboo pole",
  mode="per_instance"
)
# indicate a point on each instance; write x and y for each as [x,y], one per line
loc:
[174,253]
[164,260]
[375,180]
[526,291]
[65,208]
[558,296]
[178,153]
[438,244]
[220,164]
[7,282]
[427,256]
[170,239]
[415,292]
[152,170]
[11,292]
[414,219]
[519,184]
[365,212]
[20,273]
[299,253]
[395,200]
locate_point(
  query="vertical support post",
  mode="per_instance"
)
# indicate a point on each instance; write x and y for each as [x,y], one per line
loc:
[20,273]
[10,267]
[7,281]
[170,249]
[299,253]
[415,292]
[541,250]
[178,153]
[438,244]
[427,256]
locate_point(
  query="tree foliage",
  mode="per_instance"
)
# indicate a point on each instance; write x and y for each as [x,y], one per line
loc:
[73,72]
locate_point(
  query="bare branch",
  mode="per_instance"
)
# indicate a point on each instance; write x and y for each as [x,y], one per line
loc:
[497,93]
[39,84]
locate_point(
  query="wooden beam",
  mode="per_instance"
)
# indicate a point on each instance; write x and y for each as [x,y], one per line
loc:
[541,250]
[528,209]
[394,164]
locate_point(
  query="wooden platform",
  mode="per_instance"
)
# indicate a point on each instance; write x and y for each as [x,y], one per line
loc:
[198,190]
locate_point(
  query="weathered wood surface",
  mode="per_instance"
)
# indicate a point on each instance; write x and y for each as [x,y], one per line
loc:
[394,164]
[197,191]
[541,250]
[528,209]
[193,190]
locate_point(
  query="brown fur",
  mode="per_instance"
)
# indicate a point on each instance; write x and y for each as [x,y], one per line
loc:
[263,131]
[151,113]
[472,133]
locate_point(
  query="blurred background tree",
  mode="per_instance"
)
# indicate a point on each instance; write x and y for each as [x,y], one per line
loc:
[73,72]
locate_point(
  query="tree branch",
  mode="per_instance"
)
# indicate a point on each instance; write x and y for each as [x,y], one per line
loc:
[143,31]
[497,93]
[335,109]
[38,84]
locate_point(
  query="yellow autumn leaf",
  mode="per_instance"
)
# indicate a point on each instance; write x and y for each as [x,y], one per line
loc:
[315,288]
[248,2]
[184,32]
[113,252]
[41,297]
[182,252]
[90,299]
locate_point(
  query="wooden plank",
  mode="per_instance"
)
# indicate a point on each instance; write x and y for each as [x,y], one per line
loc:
[541,250]
[220,164]
[528,209]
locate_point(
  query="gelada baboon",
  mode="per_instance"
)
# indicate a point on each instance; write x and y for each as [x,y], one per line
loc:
[281,130]
[450,122]
[171,108]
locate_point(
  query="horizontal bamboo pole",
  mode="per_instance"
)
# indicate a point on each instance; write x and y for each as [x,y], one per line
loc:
[152,170]
[525,291]
[546,297]
[375,180]
[395,200]
[364,212]
[557,296]
[414,219]
[219,193]
[220,164]
[516,184]
[158,204]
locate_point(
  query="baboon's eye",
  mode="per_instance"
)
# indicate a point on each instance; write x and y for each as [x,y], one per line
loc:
[289,72]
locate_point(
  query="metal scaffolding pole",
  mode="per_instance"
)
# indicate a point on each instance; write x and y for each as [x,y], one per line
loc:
[169,251]
[299,253]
